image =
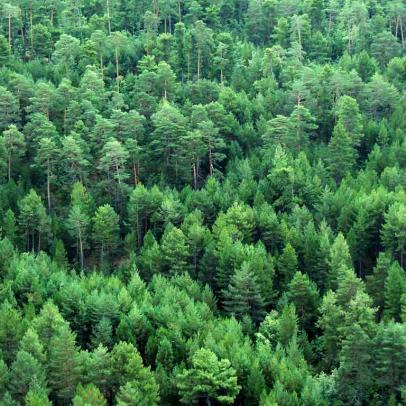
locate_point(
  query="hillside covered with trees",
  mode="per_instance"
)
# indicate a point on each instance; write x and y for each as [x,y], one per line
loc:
[202,202]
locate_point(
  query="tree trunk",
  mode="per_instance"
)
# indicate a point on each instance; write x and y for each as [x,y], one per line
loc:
[9,166]
[179,11]
[135,174]
[49,188]
[194,176]
[31,25]
[198,63]
[211,167]
[102,256]
[101,65]
[117,72]
[108,15]
[9,29]
[81,250]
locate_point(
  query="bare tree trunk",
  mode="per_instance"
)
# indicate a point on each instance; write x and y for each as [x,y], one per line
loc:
[117,72]
[198,63]
[194,176]
[9,166]
[101,65]
[31,25]
[49,189]
[81,250]
[9,29]
[211,167]
[108,15]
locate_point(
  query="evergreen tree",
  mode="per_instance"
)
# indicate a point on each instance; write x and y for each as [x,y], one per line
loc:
[15,144]
[208,378]
[25,371]
[33,219]
[105,231]
[174,251]
[88,395]
[393,232]
[341,153]
[243,295]
[390,350]
[64,366]
[77,225]
[395,287]
[287,266]
[303,293]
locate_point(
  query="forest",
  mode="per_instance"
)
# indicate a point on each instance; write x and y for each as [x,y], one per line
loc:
[202,202]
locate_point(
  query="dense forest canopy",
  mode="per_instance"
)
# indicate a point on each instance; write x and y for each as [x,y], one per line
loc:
[202,202]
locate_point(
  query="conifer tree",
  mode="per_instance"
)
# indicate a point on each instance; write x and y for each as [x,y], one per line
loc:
[208,378]
[105,231]
[303,293]
[243,295]
[24,372]
[63,364]
[341,153]
[88,395]
[174,251]
[14,143]
[287,266]
[395,287]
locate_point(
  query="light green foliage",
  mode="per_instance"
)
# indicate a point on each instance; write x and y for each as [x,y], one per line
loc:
[208,377]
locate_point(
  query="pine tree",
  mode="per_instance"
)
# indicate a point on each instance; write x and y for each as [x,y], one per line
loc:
[342,156]
[25,371]
[390,358]
[88,395]
[132,395]
[11,330]
[339,258]
[167,142]
[287,326]
[10,228]
[127,367]
[302,124]
[33,219]
[330,322]
[394,231]
[31,344]
[100,368]
[303,293]
[287,266]
[77,224]
[208,378]
[243,296]
[375,283]
[9,111]
[46,159]
[395,287]
[63,364]
[5,51]
[349,116]
[175,252]
[355,371]
[15,146]
[37,396]
[105,231]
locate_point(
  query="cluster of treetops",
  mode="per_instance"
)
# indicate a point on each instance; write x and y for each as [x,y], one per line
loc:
[202,202]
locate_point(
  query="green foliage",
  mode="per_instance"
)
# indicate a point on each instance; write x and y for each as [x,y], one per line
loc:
[208,378]
[202,202]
